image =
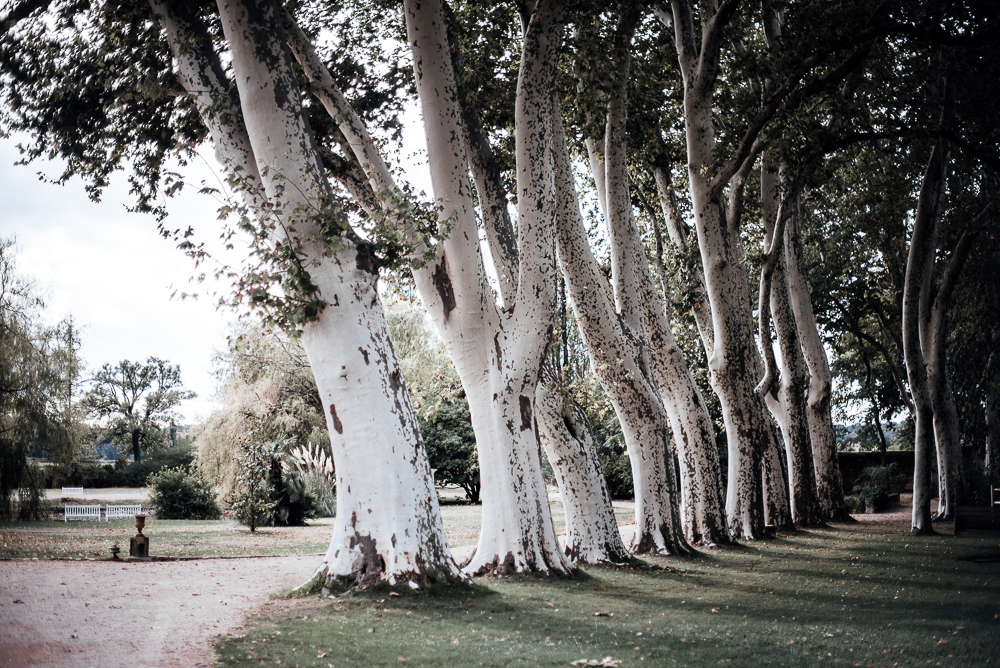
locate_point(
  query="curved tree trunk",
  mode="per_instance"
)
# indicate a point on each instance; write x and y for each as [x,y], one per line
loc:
[390,529]
[829,483]
[498,355]
[915,307]
[951,473]
[621,365]
[785,384]
[592,534]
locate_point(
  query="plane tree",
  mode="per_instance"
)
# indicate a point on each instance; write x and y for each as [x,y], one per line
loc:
[134,402]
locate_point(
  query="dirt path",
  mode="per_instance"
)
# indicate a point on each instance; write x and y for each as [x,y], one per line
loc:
[83,614]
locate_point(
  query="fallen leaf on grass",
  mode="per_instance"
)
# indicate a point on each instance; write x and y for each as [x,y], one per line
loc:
[600,614]
[942,642]
[715,609]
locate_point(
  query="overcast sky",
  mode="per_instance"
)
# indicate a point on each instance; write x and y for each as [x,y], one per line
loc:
[113,273]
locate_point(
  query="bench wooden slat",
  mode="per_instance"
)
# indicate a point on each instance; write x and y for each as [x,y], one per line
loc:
[122,512]
[81,512]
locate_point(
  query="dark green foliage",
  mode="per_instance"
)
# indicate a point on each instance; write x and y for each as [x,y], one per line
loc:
[294,503]
[876,489]
[123,473]
[182,494]
[451,446]
[617,468]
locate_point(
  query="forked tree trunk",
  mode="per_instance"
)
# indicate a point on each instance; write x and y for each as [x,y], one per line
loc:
[951,468]
[916,295]
[731,361]
[785,384]
[592,534]
[388,522]
[622,367]
[498,355]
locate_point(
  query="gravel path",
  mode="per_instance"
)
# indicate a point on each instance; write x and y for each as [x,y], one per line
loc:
[83,614]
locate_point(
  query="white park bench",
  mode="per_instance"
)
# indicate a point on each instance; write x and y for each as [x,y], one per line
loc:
[122,512]
[72,491]
[82,513]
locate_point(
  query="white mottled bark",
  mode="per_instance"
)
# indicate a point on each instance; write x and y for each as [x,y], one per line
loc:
[749,430]
[916,296]
[786,384]
[498,355]
[618,362]
[829,483]
[592,534]
[951,474]
[388,522]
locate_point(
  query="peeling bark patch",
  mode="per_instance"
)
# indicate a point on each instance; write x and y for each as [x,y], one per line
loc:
[372,564]
[364,353]
[525,412]
[442,281]
[336,300]
[496,343]
[337,424]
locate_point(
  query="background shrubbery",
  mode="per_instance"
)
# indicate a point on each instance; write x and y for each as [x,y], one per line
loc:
[122,473]
[182,494]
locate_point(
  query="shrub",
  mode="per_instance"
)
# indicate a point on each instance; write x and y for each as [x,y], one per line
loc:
[180,494]
[322,490]
[252,501]
[451,446]
[294,503]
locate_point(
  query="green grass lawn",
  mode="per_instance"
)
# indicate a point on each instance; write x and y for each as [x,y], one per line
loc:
[224,538]
[842,597]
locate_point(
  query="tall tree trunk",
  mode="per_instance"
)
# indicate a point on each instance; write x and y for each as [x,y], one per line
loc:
[622,368]
[915,306]
[731,361]
[951,469]
[819,405]
[498,355]
[592,534]
[136,452]
[785,384]
[388,521]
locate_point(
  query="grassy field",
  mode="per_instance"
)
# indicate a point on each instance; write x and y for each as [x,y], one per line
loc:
[842,596]
[223,538]
[851,595]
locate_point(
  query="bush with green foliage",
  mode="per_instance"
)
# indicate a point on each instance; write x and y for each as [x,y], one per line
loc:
[451,446]
[252,500]
[294,503]
[322,490]
[122,473]
[874,487]
[613,455]
[182,494]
